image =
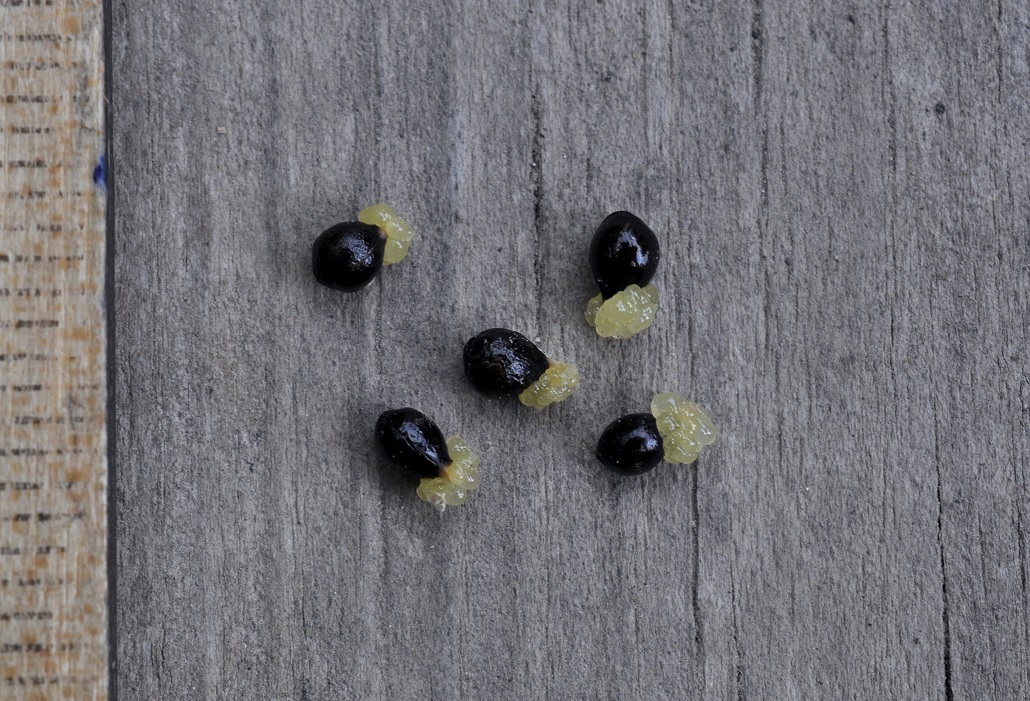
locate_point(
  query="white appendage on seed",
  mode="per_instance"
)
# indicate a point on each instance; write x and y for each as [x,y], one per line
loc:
[398,232]
[458,478]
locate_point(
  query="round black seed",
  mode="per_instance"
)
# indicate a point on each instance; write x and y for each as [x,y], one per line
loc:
[500,361]
[624,252]
[412,442]
[631,445]
[347,256]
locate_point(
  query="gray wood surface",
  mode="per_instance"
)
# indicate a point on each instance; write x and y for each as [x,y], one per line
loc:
[841,190]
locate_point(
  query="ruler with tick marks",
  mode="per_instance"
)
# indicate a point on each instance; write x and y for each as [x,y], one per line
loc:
[53,388]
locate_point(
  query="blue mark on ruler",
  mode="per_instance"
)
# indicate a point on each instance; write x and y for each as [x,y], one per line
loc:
[100,173]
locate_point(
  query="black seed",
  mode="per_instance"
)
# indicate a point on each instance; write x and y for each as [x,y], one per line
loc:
[412,442]
[631,445]
[499,361]
[347,256]
[624,252]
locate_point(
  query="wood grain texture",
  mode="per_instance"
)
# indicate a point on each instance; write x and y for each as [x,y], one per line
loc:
[841,193]
[53,391]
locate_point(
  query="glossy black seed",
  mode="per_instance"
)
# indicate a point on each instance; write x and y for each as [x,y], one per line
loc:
[412,442]
[624,252]
[347,256]
[500,361]
[631,445]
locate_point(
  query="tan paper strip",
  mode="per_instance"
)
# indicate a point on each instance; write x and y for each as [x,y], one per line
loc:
[53,468]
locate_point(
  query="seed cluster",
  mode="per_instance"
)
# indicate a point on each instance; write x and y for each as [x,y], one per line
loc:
[624,255]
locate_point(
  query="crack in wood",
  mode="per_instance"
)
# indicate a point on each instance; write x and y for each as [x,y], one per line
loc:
[949,692]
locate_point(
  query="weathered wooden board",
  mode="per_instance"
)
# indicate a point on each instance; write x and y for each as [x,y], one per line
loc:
[841,191]
[53,440]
